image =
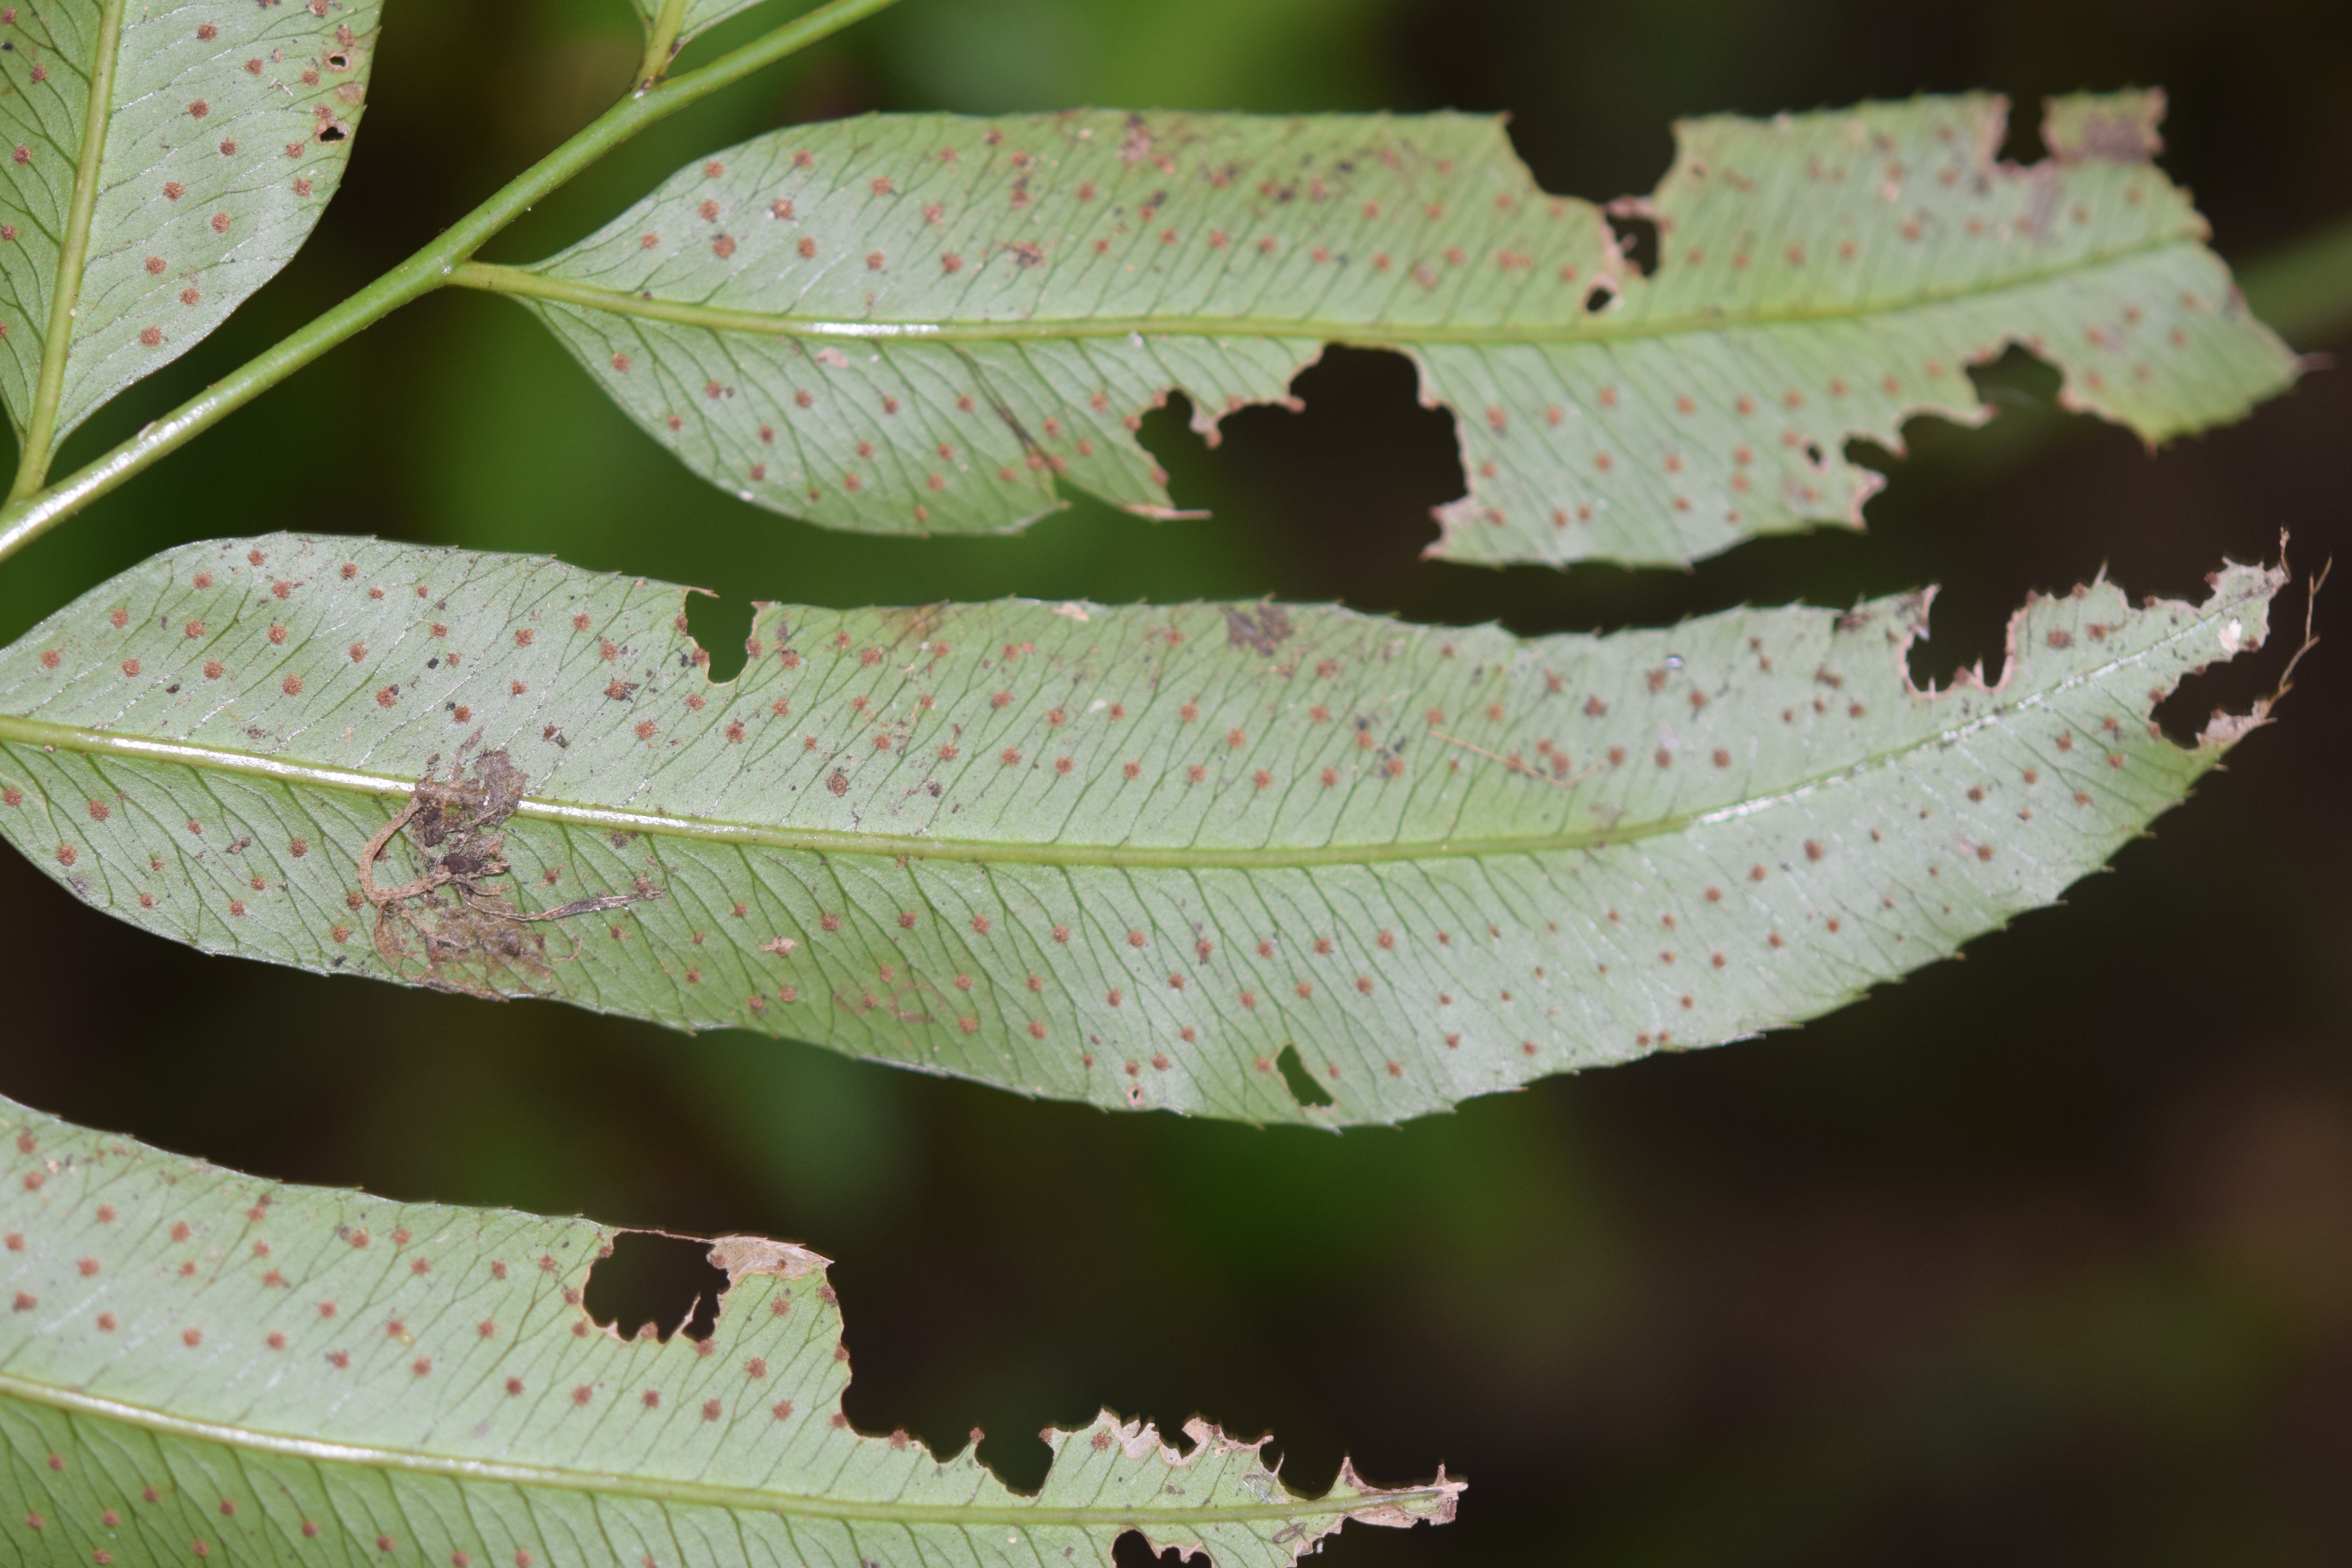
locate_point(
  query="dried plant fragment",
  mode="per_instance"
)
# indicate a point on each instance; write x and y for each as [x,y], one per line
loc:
[458,919]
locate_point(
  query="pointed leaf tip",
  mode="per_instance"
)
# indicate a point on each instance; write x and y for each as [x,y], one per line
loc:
[1433,1504]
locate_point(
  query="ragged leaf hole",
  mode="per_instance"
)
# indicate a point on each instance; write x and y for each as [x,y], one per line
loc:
[1637,241]
[656,1285]
[2018,379]
[2021,140]
[2227,685]
[1132,1550]
[1298,1081]
[1362,460]
[1966,631]
[721,628]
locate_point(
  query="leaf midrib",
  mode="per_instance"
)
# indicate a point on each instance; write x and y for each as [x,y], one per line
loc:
[910,845]
[40,437]
[75,1401]
[502,280]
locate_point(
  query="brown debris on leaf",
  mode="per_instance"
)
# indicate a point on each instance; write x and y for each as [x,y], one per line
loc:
[1390,1515]
[1266,631]
[2119,127]
[2226,728]
[742,1255]
[473,940]
[1399,1508]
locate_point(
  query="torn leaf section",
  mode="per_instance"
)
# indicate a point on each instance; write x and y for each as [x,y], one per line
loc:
[2116,127]
[262,1371]
[1273,863]
[931,323]
[1860,261]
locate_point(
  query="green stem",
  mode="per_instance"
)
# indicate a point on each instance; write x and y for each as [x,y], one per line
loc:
[26,519]
[661,43]
[65,299]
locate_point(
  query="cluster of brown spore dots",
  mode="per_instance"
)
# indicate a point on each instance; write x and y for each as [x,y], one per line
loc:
[291,91]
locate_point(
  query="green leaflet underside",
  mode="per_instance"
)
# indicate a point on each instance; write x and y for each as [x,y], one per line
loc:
[1126,856]
[196,1364]
[930,323]
[221,131]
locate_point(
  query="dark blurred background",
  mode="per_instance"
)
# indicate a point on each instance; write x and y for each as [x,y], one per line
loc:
[2042,1257]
